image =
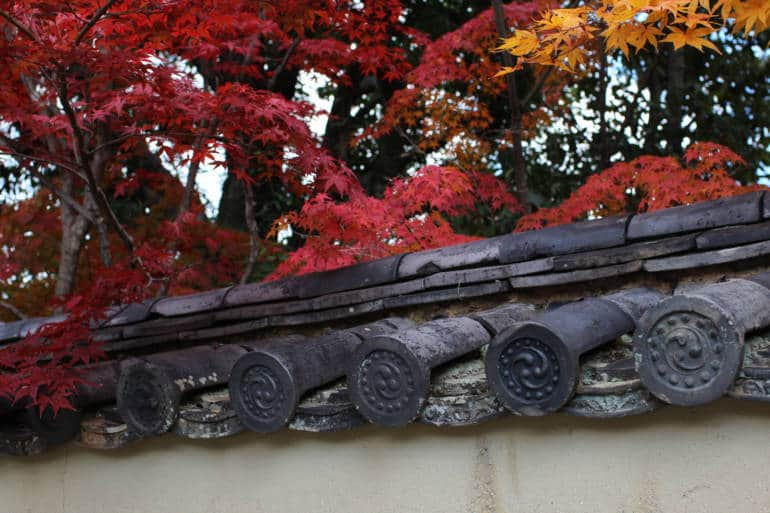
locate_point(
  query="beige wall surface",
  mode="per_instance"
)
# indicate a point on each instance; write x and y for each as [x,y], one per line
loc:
[714,458]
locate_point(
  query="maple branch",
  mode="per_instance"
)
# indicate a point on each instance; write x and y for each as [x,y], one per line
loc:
[537,85]
[92,21]
[192,175]
[15,311]
[16,23]
[81,157]
[195,165]
[515,104]
[415,147]
[112,142]
[63,196]
[13,152]
[45,160]
[278,70]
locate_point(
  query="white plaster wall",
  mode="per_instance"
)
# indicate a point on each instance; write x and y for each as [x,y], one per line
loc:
[714,458]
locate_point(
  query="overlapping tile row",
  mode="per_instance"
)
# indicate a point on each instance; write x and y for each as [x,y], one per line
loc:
[703,234]
[203,365]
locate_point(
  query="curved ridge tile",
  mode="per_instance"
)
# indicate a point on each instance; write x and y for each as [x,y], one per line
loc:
[17,329]
[565,239]
[636,303]
[534,366]
[622,254]
[742,209]
[706,258]
[135,312]
[191,303]
[10,330]
[263,292]
[689,347]
[357,276]
[733,235]
[762,278]
[30,325]
[388,376]
[480,252]
[267,383]
[565,278]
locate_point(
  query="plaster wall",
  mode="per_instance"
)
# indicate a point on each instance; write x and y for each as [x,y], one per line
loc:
[712,458]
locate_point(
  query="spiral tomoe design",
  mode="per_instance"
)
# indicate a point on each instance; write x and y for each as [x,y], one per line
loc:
[386,387]
[263,396]
[689,356]
[529,371]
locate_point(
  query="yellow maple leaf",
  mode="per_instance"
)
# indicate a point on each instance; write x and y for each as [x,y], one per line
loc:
[694,19]
[751,15]
[616,37]
[520,43]
[509,69]
[565,19]
[618,13]
[644,34]
[674,7]
[695,37]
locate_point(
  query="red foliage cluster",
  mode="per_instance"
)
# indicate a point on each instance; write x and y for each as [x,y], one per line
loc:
[449,96]
[44,366]
[408,217]
[88,86]
[647,183]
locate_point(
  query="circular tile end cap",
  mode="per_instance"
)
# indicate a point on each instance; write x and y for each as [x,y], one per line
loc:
[688,350]
[147,399]
[263,392]
[530,369]
[387,382]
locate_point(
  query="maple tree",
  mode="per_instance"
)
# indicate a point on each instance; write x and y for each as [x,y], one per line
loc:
[99,99]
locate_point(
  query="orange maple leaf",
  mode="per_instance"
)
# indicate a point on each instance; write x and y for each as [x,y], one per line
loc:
[695,37]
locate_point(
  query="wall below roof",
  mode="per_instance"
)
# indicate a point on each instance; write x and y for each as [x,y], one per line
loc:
[713,458]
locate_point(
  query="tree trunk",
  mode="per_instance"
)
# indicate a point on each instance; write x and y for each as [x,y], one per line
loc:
[514,102]
[338,128]
[604,143]
[74,229]
[251,221]
[674,102]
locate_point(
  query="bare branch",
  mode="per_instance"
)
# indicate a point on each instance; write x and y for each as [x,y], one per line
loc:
[16,23]
[537,85]
[63,196]
[195,164]
[41,159]
[274,79]
[92,21]
[15,311]
[642,84]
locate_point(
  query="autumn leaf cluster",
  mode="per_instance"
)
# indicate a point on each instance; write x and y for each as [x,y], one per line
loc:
[562,37]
